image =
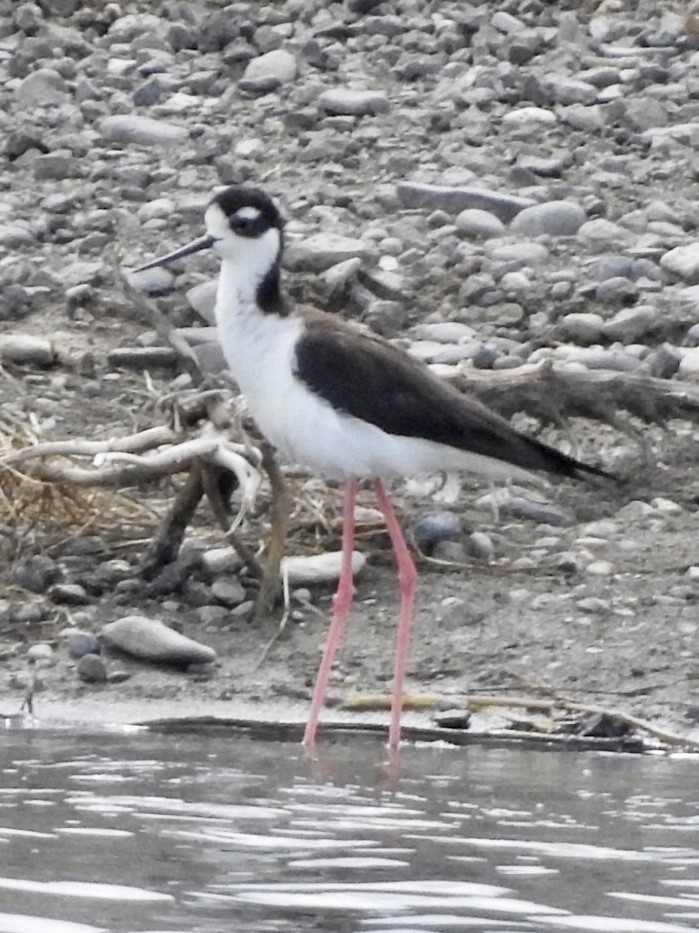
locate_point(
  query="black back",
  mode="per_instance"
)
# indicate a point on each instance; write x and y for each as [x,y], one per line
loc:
[368,378]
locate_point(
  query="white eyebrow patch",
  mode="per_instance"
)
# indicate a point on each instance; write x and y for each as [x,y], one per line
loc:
[248,213]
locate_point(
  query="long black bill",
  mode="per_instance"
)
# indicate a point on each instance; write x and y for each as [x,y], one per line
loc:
[204,242]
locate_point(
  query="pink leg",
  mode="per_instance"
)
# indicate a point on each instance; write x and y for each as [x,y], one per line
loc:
[342,600]
[407,578]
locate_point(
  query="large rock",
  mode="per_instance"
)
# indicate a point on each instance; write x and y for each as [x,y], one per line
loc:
[151,640]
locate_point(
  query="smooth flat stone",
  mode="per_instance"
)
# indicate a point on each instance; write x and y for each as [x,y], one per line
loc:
[145,131]
[151,640]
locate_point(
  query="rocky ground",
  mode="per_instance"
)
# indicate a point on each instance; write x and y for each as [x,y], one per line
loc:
[499,187]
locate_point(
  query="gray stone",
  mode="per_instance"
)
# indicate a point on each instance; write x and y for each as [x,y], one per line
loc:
[565,90]
[454,200]
[599,358]
[643,113]
[80,643]
[555,218]
[582,327]
[346,101]
[69,594]
[430,530]
[320,251]
[151,640]
[43,87]
[631,324]
[616,290]
[35,573]
[229,592]
[664,361]
[91,668]
[41,653]
[151,281]
[545,513]
[689,364]
[268,72]
[517,255]
[683,261]
[21,348]
[202,298]
[479,224]
[529,117]
[480,545]
[142,131]
[315,569]
[15,234]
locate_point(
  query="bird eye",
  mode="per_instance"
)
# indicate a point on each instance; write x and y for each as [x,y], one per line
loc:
[245,221]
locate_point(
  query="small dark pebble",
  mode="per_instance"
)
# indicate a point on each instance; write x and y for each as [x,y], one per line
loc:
[36,573]
[429,530]
[455,719]
[91,669]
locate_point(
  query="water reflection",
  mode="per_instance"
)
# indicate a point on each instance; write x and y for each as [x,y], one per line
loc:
[208,833]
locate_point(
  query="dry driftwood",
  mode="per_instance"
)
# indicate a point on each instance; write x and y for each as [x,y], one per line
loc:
[555,393]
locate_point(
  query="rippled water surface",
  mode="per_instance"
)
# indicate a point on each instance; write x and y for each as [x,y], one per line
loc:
[202,833]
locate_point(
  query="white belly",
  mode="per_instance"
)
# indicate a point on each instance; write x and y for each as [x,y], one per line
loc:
[306,429]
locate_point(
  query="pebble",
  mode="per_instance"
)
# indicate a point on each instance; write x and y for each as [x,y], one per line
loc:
[431,529]
[26,350]
[43,87]
[81,643]
[68,594]
[683,261]
[480,545]
[320,251]
[36,573]
[479,224]
[689,361]
[142,131]
[350,102]
[151,640]
[555,218]
[41,652]
[315,569]
[91,668]
[631,324]
[202,298]
[269,72]
[454,200]
[230,592]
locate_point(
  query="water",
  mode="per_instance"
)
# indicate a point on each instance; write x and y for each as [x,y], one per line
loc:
[204,833]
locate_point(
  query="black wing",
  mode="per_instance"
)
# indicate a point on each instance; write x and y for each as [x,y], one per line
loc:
[368,378]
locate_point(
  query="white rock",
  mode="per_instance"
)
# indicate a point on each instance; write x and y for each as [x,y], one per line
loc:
[478,223]
[556,218]
[524,115]
[322,250]
[269,71]
[151,640]
[689,364]
[202,298]
[144,131]
[309,570]
[683,261]
[41,88]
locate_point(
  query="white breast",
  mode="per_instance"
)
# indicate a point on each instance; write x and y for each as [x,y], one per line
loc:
[260,351]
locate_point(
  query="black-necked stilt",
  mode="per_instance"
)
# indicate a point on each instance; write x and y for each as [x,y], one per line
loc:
[345,403]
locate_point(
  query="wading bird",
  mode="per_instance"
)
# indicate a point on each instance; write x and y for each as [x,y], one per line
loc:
[345,403]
